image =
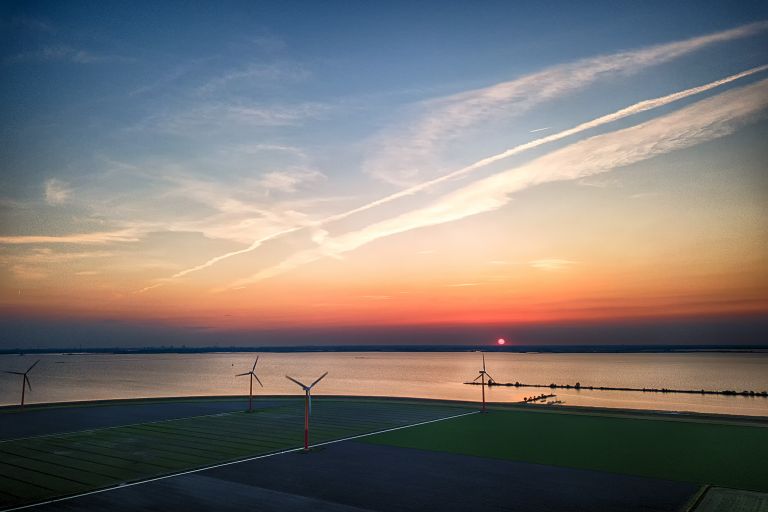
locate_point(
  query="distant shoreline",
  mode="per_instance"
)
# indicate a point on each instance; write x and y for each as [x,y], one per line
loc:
[539,408]
[545,349]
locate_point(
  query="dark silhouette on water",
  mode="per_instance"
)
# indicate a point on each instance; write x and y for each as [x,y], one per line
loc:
[537,398]
[578,386]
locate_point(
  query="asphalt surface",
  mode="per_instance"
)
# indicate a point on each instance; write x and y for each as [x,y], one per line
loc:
[357,476]
[56,420]
[718,499]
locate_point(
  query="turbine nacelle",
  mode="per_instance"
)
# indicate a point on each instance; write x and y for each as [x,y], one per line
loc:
[307,389]
[483,372]
[481,375]
[252,373]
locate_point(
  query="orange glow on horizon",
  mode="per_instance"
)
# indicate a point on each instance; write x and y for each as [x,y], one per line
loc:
[478,278]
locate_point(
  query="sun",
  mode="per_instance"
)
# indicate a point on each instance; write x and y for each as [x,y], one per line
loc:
[501,341]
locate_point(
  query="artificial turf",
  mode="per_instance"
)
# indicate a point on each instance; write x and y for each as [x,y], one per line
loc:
[723,454]
[38,468]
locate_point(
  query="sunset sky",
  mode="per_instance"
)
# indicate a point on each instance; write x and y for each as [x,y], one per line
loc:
[314,172]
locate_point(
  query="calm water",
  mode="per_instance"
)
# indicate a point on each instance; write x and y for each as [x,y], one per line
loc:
[428,375]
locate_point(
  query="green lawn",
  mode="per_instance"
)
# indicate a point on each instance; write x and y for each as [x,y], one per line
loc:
[723,454]
[35,469]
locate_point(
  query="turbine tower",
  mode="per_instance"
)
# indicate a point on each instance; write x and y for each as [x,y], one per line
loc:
[25,380]
[250,381]
[307,405]
[482,376]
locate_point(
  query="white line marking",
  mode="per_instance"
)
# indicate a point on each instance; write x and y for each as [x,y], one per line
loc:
[257,457]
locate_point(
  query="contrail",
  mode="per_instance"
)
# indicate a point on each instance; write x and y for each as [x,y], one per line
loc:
[703,121]
[256,244]
[637,108]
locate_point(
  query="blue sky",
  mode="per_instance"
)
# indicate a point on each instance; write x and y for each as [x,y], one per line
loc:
[152,151]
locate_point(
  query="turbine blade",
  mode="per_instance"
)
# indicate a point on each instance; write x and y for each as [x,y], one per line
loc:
[318,380]
[309,402]
[33,365]
[477,377]
[297,382]
[15,373]
[483,362]
[257,379]
[26,379]
[489,377]
[254,363]
[241,374]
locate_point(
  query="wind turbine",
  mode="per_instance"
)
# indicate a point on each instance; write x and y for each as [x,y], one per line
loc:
[25,380]
[482,376]
[250,380]
[307,405]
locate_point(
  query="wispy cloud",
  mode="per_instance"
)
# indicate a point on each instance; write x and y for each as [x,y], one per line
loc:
[241,211]
[32,24]
[221,115]
[267,42]
[600,121]
[600,182]
[125,235]
[252,149]
[36,264]
[411,153]
[288,180]
[551,264]
[703,121]
[539,129]
[28,272]
[255,74]
[47,255]
[65,53]
[643,195]
[56,191]
[169,76]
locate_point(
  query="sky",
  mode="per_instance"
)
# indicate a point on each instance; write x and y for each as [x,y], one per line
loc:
[395,172]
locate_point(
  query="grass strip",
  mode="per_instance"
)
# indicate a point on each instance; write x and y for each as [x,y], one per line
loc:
[727,455]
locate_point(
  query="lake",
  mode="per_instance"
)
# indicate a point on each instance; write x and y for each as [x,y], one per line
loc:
[75,377]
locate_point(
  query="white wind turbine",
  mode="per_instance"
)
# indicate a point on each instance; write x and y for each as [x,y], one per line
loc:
[307,405]
[250,380]
[25,380]
[482,376]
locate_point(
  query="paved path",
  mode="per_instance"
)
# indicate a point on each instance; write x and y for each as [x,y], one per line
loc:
[718,499]
[353,476]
